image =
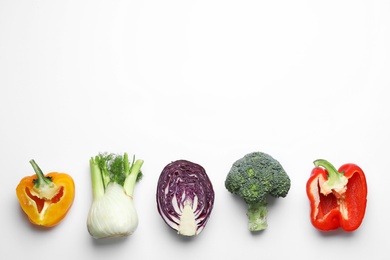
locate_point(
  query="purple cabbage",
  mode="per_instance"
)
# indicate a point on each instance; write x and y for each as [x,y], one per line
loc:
[185,197]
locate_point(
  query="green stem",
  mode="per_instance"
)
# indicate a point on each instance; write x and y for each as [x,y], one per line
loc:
[42,180]
[97,178]
[131,178]
[104,171]
[257,216]
[333,175]
[126,165]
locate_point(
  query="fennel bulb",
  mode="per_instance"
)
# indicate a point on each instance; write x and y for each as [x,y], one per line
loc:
[113,213]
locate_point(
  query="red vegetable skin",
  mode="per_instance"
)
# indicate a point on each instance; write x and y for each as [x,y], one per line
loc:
[185,197]
[338,198]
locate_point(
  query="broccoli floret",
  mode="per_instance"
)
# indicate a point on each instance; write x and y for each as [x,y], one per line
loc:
[253,178]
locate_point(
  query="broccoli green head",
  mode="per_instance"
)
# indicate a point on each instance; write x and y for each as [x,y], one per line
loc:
[253,178]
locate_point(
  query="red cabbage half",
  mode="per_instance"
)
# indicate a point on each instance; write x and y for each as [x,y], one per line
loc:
[185,197]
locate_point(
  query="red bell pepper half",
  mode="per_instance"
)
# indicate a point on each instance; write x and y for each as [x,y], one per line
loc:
[337,198]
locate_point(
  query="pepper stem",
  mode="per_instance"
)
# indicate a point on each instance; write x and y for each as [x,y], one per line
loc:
[42,180]
[336,182]
[333,175]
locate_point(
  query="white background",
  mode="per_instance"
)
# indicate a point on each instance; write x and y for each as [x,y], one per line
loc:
[207,81]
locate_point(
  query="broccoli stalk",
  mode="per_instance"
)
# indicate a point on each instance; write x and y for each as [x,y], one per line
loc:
[257,216]
[253,178]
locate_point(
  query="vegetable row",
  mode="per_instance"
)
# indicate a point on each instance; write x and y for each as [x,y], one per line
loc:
[185,194]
